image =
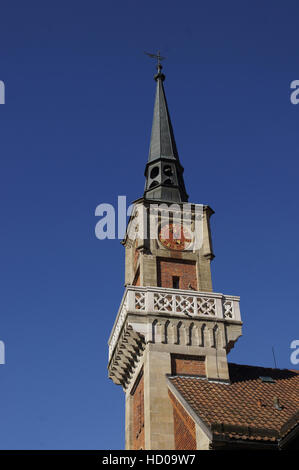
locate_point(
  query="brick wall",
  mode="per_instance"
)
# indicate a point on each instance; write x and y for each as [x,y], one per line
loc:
[136,257]
[138,413]
[136,281]
[186,364]
[184,427]
[185,270]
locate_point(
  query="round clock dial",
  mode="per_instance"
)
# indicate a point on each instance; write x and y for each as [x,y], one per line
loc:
[175,236]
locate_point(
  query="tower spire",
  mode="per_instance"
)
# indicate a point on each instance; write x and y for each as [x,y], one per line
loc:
[163,172]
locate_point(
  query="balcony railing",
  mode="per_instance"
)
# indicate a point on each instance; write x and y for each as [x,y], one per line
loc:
[177,302]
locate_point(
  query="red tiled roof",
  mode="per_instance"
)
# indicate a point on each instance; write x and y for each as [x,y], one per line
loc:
[244,409]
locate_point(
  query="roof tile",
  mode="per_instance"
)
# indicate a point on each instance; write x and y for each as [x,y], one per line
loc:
[234,409]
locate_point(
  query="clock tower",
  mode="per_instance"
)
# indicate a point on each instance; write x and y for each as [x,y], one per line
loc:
[170,322]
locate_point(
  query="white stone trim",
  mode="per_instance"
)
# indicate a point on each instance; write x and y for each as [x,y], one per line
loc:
[174,302]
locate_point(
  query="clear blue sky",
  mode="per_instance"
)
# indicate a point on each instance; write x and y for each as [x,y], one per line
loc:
[75,131]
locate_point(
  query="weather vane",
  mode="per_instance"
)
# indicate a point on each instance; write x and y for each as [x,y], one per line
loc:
[156,56]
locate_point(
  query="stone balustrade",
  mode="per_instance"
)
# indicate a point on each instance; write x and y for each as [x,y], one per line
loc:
[174,302]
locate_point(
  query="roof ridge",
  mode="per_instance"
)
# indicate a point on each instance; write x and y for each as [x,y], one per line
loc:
[198,377]
[262,367]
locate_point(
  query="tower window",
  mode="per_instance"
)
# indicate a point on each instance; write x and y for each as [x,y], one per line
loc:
[175,282]
[153,184]
[167,170]
[154,172]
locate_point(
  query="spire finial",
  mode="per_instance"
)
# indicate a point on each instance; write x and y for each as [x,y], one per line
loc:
[158,66]
[163,172]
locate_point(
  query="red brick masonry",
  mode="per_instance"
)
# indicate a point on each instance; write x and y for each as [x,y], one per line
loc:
[189,365]
[138,414]
[184,427]
[185,270]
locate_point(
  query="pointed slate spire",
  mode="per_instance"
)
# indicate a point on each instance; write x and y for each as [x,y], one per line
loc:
[163,172]
[162,138]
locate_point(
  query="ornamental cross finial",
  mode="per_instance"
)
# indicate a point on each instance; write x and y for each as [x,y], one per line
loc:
[158,57]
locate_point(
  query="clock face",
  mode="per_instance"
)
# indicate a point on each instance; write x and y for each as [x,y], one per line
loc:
[175,236]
